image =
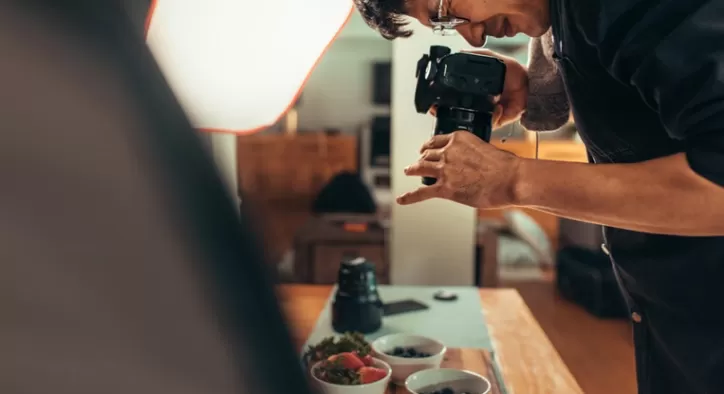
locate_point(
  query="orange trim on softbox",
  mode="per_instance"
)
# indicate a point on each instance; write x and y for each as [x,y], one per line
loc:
[149,18]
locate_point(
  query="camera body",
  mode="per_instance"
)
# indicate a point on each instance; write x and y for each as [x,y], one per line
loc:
[461,86]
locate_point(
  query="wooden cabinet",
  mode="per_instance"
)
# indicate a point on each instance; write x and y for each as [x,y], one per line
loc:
[563,151]
[292,167]
[559,150]
[323,243]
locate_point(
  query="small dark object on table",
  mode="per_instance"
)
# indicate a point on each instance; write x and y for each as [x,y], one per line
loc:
[444,295]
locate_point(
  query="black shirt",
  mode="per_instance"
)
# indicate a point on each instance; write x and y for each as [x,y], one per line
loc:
[646,79]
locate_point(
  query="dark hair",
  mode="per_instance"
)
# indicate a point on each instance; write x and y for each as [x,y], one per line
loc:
[385,16]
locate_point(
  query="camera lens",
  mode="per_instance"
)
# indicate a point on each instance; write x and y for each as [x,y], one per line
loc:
[356,278]
[357,305]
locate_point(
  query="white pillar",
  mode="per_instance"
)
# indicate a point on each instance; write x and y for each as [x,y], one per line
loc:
[431,243]
[223,147]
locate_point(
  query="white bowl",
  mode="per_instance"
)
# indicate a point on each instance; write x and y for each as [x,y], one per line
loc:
[459,381]
[378,387]
[403,367]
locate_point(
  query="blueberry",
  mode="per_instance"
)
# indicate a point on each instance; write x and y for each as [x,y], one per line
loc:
[447,390]
[408,352]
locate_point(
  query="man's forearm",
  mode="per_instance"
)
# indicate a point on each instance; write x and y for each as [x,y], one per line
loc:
[661,196]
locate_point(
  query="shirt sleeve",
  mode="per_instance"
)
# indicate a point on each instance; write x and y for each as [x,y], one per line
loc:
[672,53]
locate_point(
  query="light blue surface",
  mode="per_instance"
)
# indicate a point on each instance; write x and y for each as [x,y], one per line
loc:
[457,324]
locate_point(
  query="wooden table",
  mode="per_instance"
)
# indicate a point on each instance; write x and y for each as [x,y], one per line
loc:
[529,363]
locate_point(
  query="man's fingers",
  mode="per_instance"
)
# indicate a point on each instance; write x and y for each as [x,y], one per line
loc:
[512,107]
[511,113]
[503,115]
[424,168]
[436,142]
[497,115]
[421,194]
[432,155]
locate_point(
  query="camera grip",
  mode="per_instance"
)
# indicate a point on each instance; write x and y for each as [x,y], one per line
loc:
[428,181]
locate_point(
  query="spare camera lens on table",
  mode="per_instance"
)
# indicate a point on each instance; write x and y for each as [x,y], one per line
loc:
[357,305]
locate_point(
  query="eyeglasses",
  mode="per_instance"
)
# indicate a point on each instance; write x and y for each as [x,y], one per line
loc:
[444,25]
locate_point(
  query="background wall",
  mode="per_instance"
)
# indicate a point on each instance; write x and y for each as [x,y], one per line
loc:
[223,147]
[338,93]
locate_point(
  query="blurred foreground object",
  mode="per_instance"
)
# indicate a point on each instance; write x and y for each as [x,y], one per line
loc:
[124,266]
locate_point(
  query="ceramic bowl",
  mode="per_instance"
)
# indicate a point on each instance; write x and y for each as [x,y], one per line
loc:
[378,387]
[403,367]
[439,379]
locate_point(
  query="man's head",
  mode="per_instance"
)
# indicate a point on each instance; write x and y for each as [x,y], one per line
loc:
[497,18]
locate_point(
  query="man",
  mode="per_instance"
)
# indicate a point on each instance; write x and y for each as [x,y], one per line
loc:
[645,81]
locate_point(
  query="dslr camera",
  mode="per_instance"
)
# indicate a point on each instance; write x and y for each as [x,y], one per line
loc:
[461,86]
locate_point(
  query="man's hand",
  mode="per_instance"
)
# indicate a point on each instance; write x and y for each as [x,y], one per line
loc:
[512,102]
[468,171]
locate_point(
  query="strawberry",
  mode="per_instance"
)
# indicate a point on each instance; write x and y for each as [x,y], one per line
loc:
[347,360]
[371,374]
[367,360]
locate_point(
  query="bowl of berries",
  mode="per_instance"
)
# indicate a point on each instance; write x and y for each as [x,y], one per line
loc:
[407,354]
[447,381]
[347,373]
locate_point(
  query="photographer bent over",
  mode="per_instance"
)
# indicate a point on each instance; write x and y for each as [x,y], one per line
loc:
[645,83]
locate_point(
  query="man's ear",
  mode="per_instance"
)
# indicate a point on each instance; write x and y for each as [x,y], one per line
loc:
[238,65]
